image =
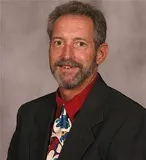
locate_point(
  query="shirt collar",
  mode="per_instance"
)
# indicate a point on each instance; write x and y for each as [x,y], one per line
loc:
[73,106]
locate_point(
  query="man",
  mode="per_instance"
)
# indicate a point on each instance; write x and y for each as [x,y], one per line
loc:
[84,119]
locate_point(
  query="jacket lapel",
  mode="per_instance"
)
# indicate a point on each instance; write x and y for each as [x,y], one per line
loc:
[81,136]
[42,129]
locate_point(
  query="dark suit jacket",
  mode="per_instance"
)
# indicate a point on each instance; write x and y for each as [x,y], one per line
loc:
[109,126]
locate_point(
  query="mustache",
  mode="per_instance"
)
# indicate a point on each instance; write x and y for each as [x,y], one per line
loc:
[68,62]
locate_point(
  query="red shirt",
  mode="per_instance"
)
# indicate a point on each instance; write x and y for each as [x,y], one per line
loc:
[72,107]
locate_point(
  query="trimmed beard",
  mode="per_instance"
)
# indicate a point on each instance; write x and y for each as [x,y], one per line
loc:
[83,73]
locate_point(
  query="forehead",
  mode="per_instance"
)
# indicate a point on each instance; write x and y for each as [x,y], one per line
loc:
[73,24]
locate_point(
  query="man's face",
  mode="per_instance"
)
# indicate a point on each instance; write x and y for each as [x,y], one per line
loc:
[72,51]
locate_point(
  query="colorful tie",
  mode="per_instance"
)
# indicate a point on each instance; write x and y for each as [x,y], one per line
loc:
[61,128]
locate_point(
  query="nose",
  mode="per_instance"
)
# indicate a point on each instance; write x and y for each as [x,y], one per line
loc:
[67,51]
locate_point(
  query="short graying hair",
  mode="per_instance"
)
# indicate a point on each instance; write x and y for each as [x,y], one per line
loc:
[80,8]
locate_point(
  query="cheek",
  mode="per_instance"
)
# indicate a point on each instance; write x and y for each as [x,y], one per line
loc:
[52,54]
[55,53]
[85,57]
[51,58]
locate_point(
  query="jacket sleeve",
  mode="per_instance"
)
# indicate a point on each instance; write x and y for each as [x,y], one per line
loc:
[129,141]
[14,144]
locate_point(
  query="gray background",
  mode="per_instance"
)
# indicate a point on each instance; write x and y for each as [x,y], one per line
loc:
[24,69]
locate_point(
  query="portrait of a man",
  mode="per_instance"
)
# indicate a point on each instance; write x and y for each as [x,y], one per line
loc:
[84,118]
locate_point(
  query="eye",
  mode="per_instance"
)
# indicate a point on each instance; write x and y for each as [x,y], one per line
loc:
[58,43]
[80,44]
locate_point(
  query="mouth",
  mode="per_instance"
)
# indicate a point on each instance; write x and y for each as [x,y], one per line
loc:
[67,67]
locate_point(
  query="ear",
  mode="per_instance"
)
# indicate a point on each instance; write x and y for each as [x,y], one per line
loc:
[101,53]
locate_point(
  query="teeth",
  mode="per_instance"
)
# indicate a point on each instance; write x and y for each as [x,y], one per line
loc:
[67,67]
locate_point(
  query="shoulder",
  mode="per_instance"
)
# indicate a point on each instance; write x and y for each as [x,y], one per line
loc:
[33,105]
[120,98]
[115,100]
[120,104]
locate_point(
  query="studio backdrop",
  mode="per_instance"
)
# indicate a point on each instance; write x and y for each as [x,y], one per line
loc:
[24,67]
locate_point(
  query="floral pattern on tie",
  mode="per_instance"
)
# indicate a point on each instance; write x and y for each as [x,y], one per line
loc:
[61,127]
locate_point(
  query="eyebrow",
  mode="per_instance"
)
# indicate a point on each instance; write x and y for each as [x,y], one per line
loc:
[79,38]
[76,38]
[57,38]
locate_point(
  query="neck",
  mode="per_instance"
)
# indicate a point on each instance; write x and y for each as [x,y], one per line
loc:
[68,94]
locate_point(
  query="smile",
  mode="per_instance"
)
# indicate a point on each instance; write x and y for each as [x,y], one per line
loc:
[67,66]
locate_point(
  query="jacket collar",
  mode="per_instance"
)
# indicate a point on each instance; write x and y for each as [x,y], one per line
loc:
[81,135]
[41,131]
